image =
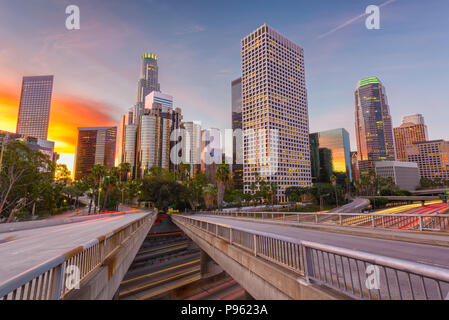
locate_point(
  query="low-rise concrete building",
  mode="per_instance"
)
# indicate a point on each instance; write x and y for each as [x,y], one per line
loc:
[405,174]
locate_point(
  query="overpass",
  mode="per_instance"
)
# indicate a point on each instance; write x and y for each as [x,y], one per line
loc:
[278,261]
[437,191]
[49,260]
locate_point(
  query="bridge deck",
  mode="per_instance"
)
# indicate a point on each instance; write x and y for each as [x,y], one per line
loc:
[426,254]
[22,250]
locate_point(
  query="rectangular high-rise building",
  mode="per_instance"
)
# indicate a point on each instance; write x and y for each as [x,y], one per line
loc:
[275,113]
[432,158]
[407,134]
[34,109]
[96,145]
[237,126]
[191,146]
[156,124]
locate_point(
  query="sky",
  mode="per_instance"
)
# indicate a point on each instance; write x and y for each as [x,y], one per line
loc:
[97,67]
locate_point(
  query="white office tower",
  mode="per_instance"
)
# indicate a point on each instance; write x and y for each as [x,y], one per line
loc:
[129,146]
[275,113]
[156,125]
[191,146]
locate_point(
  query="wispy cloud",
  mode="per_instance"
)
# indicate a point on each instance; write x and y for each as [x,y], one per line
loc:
[351,21]
[192,29]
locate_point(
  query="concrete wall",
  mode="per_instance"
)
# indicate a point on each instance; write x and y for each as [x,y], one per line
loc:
[260,278]
[104,283]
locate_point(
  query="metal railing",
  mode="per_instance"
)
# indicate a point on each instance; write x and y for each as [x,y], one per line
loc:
[356,274]
[48,280]
[417,222]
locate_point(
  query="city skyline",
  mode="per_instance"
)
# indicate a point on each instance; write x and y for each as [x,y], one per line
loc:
[204,95]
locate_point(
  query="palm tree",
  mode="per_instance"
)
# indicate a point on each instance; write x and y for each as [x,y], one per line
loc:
[98,172]
[333,179]
[209,194]
[223,176]
[124,169]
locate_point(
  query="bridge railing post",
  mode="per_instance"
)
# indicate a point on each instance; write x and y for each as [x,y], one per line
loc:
[230,235]
[373,221]
[255,244]
[420,223]
[56,283]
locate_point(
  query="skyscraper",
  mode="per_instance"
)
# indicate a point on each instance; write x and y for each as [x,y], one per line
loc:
[148,82]
[413,118]
[333,155]
[373,124]
[155,126]
[408,133]
[275,113]
[432,158]
[211,152]
[96,145]
[191,146]
[34,109]
[237,145]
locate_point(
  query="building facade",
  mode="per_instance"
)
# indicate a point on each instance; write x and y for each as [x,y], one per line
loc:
[211,152]
[44,146]
[191,146]
[413,118]
[330,155]
[432,158]
[373,124]
[96,145]
[275,112]
[237,126]
[355,166]
[34,108]
[148,82]
[407,134]
[404,174]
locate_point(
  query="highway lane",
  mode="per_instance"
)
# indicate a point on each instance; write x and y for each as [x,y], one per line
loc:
[23,250]
[426,254]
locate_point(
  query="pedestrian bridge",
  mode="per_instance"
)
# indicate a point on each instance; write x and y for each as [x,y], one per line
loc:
[84,259]
[281,260]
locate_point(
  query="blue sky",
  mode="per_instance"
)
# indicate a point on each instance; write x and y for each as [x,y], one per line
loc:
[198,43]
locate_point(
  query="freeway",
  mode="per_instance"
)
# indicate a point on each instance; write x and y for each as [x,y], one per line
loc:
[22,250]
[426,254]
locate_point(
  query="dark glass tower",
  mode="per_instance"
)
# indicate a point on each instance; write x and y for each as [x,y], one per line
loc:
[373,125]
[95,145]
[237,152]
[34,109]
[330,152]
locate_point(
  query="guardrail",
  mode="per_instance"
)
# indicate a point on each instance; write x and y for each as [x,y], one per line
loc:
[48,280]
[417,222]
[357,274]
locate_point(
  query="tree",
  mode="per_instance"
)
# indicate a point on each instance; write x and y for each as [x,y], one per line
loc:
[62,174]
[26,177]
[209,194]
[333,180]
[223,177]
[195,188]
[98,173]
[125,169]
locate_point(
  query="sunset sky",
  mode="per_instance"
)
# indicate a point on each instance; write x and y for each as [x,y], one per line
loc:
[198,43]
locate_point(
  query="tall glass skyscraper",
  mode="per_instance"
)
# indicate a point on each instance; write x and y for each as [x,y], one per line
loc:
[96,145]
[330,154]
[148,82]
[373,124]
[237,145]
[34,109]
[275,112]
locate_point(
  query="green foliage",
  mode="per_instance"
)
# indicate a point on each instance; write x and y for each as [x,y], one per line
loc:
[378,203]
[326,191]
[26,182]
